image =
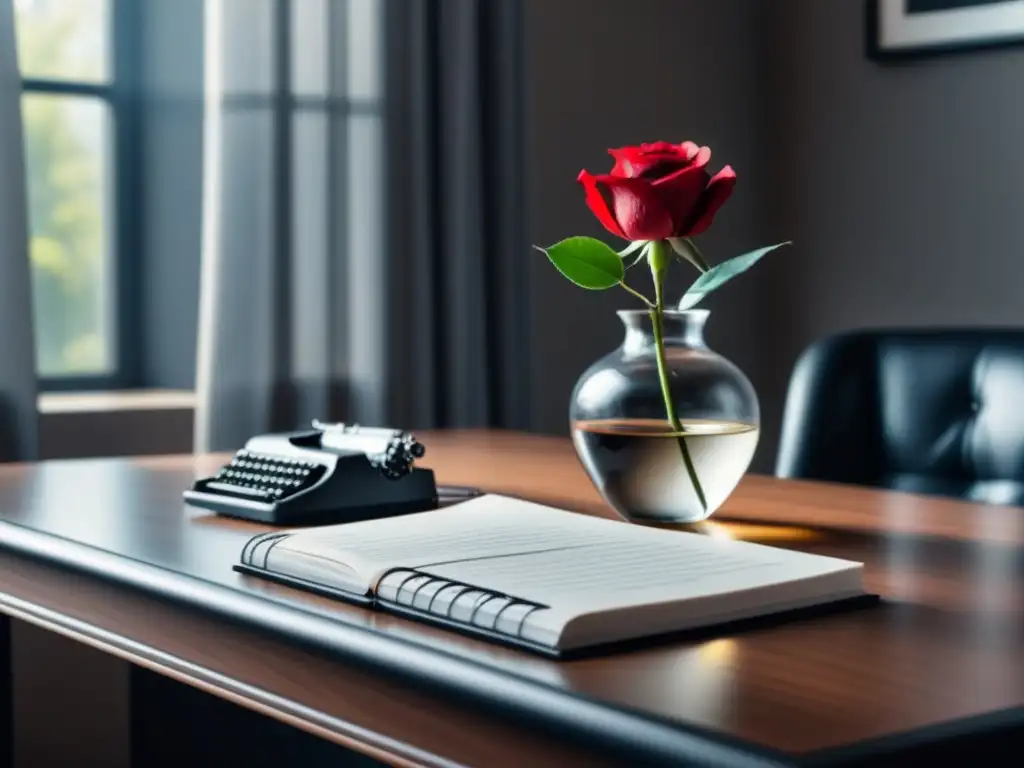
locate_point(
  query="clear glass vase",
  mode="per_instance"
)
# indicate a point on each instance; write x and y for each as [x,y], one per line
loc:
[648,468]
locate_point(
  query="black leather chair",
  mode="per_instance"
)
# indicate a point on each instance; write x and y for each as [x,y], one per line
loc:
[926,411]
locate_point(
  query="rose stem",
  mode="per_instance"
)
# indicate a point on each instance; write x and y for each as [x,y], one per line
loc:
[659,258]
[639,295]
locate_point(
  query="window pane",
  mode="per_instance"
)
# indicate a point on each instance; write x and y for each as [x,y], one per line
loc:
[67,140]
[365,240]
[245,46]
[64,39]
[364,48]
[310,47]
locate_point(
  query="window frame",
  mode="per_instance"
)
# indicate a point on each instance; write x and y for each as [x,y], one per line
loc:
[122,95]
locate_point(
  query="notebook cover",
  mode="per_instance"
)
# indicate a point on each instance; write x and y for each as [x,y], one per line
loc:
[365,601]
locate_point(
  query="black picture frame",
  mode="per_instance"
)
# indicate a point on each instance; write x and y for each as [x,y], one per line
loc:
[878,49]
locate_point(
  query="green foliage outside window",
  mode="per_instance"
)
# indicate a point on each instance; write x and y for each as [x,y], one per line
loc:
[66,149]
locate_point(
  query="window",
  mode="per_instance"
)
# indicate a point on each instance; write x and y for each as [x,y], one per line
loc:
[80,118]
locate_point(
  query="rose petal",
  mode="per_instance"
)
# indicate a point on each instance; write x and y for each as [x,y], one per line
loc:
[662,147]
[690,149]
[638,210]
[702,157]
[631,162]
[680,194]
[624,157]
[648,166]
[649,160]
[598,205]
[717,192]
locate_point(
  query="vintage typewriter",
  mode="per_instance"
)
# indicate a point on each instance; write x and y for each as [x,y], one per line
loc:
[332,473]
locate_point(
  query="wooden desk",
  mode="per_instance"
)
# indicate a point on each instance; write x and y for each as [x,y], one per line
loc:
[106,553]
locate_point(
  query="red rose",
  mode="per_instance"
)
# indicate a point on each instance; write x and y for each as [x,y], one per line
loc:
[658,191]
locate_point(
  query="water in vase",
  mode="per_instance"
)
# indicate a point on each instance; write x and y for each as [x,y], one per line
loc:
[639,467]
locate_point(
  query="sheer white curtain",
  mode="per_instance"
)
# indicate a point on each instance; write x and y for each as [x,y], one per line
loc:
[290,303]
[18,420]
[364,250]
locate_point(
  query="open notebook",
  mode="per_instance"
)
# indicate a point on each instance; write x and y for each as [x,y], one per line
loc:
[546,579]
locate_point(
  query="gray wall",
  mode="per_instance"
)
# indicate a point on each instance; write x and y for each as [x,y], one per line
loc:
[898,183]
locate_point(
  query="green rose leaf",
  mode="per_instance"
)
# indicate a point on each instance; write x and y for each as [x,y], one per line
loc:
[587,262]
[722,273]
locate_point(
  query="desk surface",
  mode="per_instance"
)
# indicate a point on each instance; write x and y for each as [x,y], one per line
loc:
[105,551]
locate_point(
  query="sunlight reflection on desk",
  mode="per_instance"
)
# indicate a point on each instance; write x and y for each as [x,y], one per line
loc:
[740,531]
[699,681]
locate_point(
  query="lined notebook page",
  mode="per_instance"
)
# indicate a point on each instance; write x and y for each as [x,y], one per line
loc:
[608,572]
[647,570]
[484,527]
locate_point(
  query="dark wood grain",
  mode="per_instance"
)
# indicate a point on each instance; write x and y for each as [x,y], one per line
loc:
[947,644]
[6,695]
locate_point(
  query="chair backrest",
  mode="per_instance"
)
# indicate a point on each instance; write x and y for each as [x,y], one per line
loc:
[928,411]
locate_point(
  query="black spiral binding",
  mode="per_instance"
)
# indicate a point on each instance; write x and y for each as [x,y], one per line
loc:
[249,550]
[487,595]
